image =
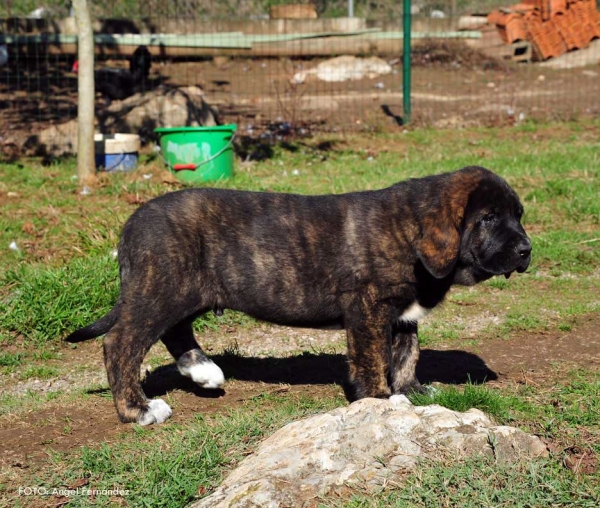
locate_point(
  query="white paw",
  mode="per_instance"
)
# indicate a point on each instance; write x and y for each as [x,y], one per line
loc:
[158,411]
[207,374]
[400,400]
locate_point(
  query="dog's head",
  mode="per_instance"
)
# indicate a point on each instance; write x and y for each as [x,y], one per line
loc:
[474,229]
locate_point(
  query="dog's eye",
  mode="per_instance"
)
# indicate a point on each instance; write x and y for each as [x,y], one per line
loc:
[488,218]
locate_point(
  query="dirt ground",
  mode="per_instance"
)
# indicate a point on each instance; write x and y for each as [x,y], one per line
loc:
[452,86]
[262,364]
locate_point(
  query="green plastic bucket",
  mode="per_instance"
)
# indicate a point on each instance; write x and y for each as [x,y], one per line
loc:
[198,154]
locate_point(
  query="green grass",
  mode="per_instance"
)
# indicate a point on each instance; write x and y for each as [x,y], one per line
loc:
[11,359]
[28,401]
[479,482]
[574,408]
[168,466]
[561,251]
[43,304]
[40,372]
[45,354]
[469,396]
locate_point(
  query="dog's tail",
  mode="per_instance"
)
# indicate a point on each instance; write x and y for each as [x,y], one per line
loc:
[97,328]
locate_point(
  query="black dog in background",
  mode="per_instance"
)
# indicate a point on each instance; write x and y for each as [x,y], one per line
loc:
[116,84]
[373,262]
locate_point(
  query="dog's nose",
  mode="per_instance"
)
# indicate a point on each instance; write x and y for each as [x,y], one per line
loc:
[524,248]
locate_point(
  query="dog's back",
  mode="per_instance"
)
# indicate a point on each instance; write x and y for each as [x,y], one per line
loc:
[280,257]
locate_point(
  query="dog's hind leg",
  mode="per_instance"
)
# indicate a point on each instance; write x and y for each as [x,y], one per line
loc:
[125,347]
[124,351]
[192,362]
[405,355]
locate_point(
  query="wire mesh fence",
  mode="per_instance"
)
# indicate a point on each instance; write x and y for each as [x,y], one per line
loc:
[293,68]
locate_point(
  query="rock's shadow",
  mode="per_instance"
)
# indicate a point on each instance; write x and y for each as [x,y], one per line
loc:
[450,367]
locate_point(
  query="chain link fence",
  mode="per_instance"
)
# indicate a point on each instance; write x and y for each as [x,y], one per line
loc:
[292,69]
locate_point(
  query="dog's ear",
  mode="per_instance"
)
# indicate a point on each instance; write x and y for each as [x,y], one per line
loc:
[440,233]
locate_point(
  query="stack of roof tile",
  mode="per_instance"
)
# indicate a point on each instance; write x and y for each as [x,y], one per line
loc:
[552,26]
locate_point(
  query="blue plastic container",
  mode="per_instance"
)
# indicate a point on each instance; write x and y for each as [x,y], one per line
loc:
[116,152]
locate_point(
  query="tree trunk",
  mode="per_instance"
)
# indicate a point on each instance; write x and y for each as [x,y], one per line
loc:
[86,169]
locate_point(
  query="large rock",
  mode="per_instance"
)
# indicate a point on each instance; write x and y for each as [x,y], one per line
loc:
[365,443]
[56,140]
[163,107]
[139,114]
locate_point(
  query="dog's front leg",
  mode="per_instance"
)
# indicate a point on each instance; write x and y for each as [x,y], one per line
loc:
[368,332]
[405,355]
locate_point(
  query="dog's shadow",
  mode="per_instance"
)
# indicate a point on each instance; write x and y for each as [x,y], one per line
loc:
[449,367]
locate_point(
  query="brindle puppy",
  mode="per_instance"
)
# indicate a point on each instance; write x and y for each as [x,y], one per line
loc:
[373,262]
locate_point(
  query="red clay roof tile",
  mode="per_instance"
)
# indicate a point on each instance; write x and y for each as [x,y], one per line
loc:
[553,26]
[515,30]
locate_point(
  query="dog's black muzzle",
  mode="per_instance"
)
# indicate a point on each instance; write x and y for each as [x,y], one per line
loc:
[523,256]
[523,249]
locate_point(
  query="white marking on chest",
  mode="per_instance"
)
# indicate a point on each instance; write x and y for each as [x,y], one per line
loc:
[414,313]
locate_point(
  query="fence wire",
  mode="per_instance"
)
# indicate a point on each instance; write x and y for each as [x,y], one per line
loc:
[289,69]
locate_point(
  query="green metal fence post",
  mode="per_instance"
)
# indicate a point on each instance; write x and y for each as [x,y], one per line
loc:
[406,29]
